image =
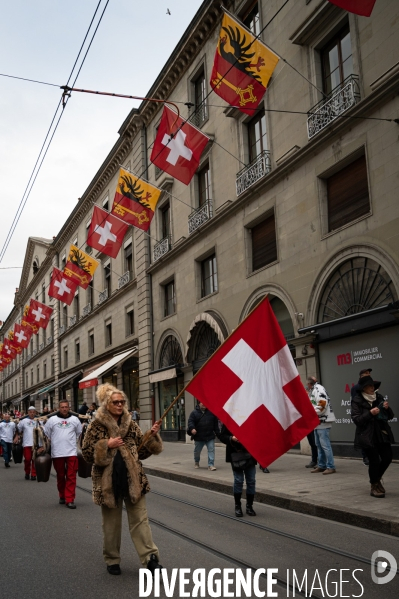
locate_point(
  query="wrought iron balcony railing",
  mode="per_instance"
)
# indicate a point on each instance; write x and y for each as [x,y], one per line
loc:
[41,346]
[72,320]
[162,247]
[34,352]
[199,216]
[103,296]
[86,310]
[61,330]
[250,174]
[124,279]
[343,97]
[49,340]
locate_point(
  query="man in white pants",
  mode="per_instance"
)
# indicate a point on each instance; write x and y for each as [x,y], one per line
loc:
[26,426]
[63,430]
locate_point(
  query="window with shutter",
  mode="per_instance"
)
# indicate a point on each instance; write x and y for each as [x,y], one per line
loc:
[264,244]
[348,194]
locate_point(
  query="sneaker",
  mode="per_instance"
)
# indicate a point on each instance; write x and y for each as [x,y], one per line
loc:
[71,505]
[329,471]
[376,491]
[196,465]
[311,464]
[26,476]
[153,564]
[211,468]
[317,469]
[61,501]
[114,569]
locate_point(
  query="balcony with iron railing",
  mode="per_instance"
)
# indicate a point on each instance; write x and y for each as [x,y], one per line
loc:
[61,330]
[72,320]
[41,346]
[103,296]
[124,279]
[252,173]
[86,310]
[342,97]
[199,216]
[162,247]
[49,340]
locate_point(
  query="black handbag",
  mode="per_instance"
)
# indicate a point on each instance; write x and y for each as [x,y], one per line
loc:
[240,460]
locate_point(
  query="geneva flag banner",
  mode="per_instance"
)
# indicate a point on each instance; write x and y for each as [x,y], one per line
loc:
[80,267]
[364,8]
[242,66]
[106,232]
[135,200]
[178,146]
[252,385]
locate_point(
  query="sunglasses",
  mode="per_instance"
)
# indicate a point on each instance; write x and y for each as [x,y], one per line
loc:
[119,402]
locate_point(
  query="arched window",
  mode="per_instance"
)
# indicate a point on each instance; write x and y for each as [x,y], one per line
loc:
[171,354]
[204,341]
[357,285]
[35,266]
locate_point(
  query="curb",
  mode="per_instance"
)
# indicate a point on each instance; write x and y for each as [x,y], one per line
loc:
[281,500]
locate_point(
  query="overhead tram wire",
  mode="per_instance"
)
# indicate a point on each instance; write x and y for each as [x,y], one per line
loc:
[36,168]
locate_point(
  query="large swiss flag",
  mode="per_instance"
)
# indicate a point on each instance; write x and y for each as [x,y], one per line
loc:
[364,8]
[178,146]
[252,385]
[106,232]
[61,287]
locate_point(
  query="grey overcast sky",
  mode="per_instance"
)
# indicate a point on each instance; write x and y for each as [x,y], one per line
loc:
[40,39]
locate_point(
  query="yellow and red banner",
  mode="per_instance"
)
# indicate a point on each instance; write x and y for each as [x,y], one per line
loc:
[135,200]
[25,321]
[242,66]
[80,267]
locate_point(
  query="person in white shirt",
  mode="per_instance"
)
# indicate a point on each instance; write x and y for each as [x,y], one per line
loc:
[7,433]
[322,405]
[26,427]
[63,430]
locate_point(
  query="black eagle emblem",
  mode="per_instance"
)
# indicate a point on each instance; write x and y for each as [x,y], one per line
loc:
[132,190]
[240,57]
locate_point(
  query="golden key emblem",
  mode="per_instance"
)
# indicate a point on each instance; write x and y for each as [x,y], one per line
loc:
[240,92]
[142,217]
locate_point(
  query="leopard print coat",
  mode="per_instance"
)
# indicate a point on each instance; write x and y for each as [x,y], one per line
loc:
[95,450]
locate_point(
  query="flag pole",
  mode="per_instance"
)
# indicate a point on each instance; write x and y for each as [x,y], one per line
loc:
[148,433]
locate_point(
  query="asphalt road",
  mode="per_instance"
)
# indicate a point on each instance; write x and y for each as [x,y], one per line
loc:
[52,552]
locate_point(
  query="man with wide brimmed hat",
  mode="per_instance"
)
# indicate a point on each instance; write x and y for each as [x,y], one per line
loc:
[371,412]
[26,427]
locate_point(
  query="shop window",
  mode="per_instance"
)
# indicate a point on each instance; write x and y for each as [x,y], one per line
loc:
[348,194]
[336,59]
[209,280]
[264,244]
[169,298]
[91,343]
[108,334]
[130,374]
[129,322]
[257,136]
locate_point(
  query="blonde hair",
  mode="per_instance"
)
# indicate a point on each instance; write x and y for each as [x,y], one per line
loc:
[105,392]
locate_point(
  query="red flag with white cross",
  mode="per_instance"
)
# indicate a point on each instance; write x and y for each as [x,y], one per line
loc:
[106,232]
[61,287]
[22,335]
[8,352]
[364,8]
[252,385]
[39,314]
[178,146]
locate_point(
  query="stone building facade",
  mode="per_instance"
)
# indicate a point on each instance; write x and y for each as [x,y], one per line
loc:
[299,202]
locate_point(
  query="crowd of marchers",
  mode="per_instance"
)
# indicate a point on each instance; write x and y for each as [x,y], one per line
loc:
[108,439]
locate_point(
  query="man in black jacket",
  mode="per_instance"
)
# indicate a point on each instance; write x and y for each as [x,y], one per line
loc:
[202,426]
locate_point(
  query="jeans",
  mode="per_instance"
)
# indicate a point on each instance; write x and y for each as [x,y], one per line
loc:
[324,449]
[379,457]
[249,474]
[313,446]
[7,448]
[198,445]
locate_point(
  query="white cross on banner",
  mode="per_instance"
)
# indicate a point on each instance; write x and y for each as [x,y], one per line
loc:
[253,387]
[105,233]
[20,336]
[176,146]
[38,314]
[62,287]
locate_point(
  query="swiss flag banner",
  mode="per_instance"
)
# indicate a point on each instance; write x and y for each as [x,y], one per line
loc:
[178,146]
[22,335]
[106,232]
[61,287]
[8,351]
[252,385]
[364,8]
[39,314]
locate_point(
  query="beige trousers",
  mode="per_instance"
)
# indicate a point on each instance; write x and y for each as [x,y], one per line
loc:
[139,529]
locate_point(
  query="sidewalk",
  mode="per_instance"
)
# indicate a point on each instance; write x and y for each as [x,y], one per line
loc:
[343,497]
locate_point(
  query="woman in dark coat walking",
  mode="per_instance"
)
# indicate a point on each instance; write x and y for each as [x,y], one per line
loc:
[237,454]
[373,434]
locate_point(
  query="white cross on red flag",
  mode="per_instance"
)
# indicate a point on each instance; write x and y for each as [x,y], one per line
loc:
[252,385]
[106,232]
[39,313]
[178,146]
[22,335]
[61,287]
